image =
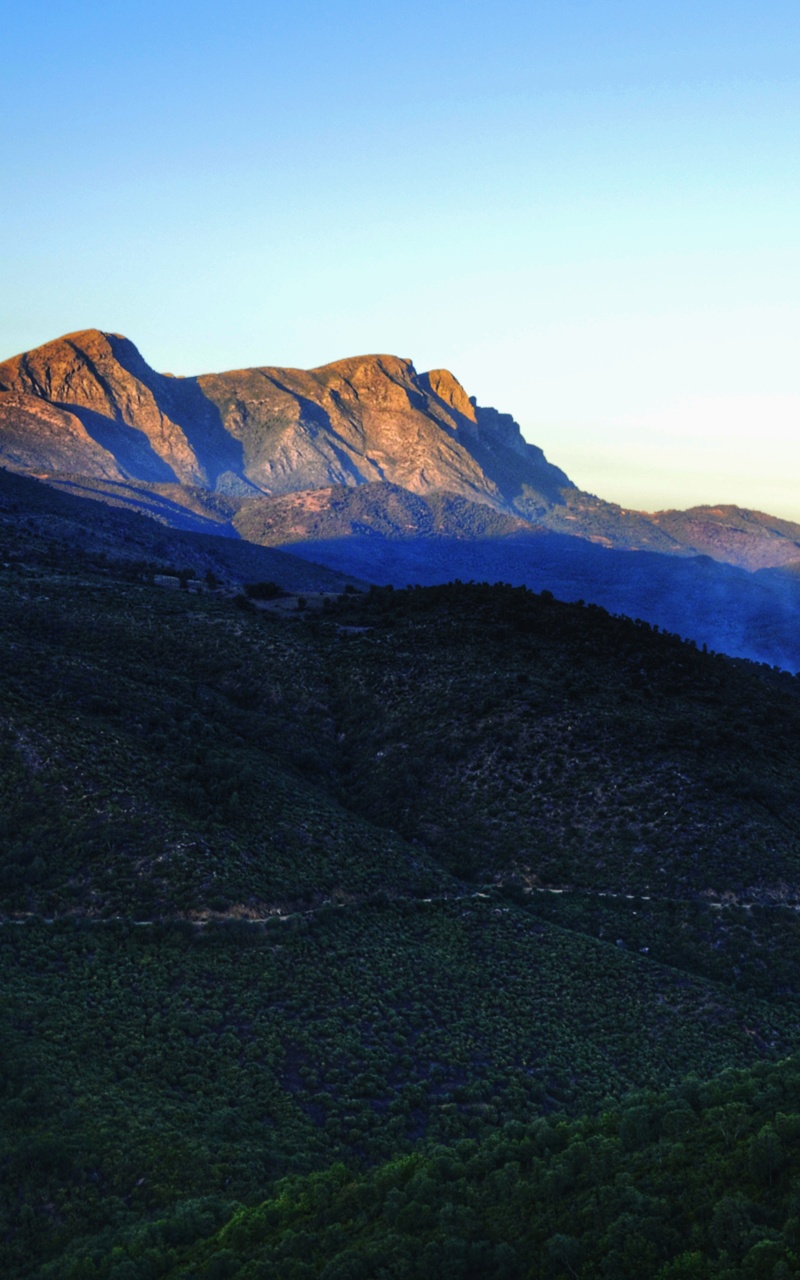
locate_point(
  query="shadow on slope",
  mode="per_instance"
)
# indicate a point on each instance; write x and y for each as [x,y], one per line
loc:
[129,447]
[74,525]
[725,608]
[219,454]
[141,499]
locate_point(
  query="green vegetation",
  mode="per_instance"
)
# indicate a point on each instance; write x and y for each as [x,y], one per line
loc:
[149,1066]
[339,897]
[697,1182]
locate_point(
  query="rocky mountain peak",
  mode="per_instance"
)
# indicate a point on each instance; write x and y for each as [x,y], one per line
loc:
[381,381]
[441,383]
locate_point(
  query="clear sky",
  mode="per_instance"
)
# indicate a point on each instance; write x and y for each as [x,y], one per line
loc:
[589,210]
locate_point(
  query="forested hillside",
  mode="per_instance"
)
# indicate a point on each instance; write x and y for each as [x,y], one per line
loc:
[454,889]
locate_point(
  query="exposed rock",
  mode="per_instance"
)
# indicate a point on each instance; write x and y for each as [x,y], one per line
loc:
[379,510]
[156,428]
[88,374]
[441,383]
[39,438]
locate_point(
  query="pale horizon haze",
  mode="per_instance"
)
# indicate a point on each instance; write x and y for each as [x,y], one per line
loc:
[589,212]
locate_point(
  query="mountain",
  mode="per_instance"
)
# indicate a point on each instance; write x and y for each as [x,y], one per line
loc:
[262,430]
[375,471]
[88,406]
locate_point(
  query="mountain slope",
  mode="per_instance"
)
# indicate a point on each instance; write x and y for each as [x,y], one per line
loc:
[394,476]
[751,539]
[50,530]
[440,717]
[729,610]
[154,427]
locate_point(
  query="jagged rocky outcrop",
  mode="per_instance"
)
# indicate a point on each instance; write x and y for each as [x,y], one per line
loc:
[147,426]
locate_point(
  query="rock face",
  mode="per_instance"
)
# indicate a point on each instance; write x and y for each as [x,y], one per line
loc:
[41,439]
[155,428]
[88,404]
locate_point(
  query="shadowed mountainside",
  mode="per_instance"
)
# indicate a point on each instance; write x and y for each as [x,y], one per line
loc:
[38,521]
[382,533]
[725,608]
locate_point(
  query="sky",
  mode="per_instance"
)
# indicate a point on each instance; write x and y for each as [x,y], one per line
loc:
[588,210]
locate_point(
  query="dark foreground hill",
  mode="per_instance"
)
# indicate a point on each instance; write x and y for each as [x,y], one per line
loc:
[420,882]
[657,1187]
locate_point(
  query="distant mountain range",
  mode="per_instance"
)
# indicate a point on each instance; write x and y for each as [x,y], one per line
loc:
[373,469]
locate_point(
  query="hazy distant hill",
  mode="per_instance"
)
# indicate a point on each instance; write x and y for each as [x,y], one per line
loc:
[751,539]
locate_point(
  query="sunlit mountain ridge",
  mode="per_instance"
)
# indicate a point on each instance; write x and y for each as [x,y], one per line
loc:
[89,405]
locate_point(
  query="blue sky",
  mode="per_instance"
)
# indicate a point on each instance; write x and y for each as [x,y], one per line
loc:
[589,211]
